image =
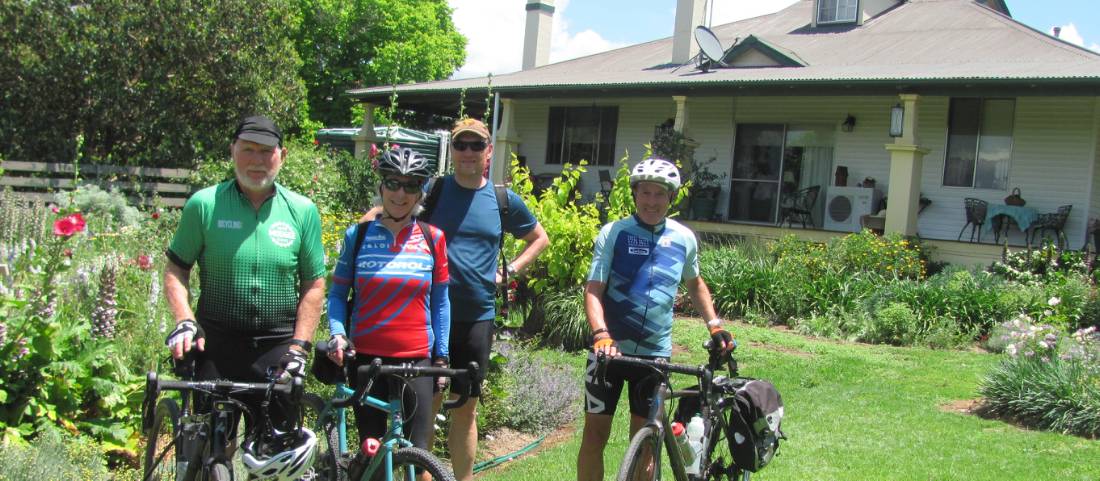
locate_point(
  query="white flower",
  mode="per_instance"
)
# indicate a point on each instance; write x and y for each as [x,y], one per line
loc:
[1011,350]
[1048,313]
[1054,301]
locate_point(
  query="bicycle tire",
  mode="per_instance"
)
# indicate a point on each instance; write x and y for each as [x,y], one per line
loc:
[408,461]
[220,472]
[643,456]
[161,438]
[326,465]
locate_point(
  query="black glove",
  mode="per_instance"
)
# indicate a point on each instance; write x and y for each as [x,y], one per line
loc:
[720,337]
[185,330]
[293,363]
[441,381]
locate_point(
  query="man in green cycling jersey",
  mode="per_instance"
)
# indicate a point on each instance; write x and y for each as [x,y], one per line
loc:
[637,266]
[261,268]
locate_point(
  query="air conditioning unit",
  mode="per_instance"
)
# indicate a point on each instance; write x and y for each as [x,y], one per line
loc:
[845,205]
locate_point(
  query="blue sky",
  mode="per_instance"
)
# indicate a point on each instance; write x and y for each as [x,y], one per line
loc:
[494,28]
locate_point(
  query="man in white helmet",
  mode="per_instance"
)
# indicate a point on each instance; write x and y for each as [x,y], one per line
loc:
[636,270]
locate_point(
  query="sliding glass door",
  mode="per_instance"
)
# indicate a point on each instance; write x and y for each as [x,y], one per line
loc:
[773,164]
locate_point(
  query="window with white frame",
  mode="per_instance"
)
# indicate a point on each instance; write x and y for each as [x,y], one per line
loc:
[979,143]
[835,11]
[582,133]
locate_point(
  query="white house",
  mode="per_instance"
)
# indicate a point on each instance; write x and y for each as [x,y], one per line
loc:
[988,105]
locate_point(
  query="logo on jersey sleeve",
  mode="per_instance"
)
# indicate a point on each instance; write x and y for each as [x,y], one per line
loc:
[281,234]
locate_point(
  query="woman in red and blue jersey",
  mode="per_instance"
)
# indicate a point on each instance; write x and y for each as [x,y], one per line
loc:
[400,311]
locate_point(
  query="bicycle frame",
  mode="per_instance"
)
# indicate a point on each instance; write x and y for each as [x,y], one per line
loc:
[394,438]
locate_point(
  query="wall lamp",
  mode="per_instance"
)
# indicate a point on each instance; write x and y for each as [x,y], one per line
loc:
[897,119]
[849,124]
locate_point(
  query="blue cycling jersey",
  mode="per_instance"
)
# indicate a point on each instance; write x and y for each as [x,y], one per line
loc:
[642,267]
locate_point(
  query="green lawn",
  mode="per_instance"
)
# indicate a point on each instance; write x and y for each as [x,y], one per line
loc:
[860,412]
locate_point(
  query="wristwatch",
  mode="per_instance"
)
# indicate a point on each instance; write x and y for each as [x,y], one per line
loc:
[305,345]
[511,269]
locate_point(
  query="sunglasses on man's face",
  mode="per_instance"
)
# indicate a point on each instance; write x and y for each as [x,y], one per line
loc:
[476,145]
[393,185]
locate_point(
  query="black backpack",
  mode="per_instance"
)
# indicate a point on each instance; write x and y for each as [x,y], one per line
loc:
[435,187]
[753,429]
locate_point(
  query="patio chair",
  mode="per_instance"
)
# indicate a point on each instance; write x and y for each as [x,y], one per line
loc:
[1053,222]
[975,217]
[798,206]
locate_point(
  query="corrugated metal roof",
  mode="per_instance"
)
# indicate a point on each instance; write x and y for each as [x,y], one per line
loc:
[920,40]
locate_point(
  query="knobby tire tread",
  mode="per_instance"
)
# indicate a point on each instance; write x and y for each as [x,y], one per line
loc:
[325,464]
[419,458]
[634,462]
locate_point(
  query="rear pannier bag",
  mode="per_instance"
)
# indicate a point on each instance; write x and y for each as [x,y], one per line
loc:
[753,430]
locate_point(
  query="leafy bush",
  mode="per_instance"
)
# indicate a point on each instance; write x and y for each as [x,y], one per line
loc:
[1045,264]
[529,394]
[108,208]
[566,323]
[53,457]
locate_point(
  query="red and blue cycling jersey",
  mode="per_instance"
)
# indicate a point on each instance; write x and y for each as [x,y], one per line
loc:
[401,307]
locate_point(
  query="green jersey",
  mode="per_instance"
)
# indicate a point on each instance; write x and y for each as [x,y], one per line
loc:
[251,262]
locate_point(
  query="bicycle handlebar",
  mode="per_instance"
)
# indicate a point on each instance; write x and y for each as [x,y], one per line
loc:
[366,374]
[660,365]
[223,387]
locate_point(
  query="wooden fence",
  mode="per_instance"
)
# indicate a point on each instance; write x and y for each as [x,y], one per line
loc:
[41,180]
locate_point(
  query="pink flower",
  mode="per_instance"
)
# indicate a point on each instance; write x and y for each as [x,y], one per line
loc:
[373,150]
[55,209]
[67,252]
[144,262]
[68,225]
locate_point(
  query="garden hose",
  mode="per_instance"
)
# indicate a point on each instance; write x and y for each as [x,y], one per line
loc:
[479,467]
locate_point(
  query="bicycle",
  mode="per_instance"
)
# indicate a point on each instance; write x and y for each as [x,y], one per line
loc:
[714,393]
[187,445]
[396,458]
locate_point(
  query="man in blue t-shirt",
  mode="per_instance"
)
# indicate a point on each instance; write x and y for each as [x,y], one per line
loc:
[467,212]
[637,266]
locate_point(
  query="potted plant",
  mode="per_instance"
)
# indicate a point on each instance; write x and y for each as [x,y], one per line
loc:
[705,188]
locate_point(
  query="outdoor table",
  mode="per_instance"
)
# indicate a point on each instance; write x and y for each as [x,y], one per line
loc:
[997,213]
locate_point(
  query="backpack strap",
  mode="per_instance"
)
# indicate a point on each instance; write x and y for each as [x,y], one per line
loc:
[360,234]
[427,231]
[435,187]
[501,192]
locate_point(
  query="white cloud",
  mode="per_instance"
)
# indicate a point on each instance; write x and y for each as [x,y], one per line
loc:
[1070,34]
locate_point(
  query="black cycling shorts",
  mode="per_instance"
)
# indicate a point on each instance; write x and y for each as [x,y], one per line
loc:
[603,398]
[245,359]
[416,402]
[470,341]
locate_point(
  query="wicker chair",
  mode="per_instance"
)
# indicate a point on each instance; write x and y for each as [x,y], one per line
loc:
[975,217]
[1054,222]
[799,207]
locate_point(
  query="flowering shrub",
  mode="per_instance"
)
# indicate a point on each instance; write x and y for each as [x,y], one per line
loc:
[527,393]
[52,371]
[1045,264]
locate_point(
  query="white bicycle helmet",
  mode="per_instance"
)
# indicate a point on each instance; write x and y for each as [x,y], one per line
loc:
[295,456]
[656,170]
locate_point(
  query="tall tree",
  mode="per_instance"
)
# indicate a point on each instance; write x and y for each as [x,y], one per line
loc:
[360,43]
[155,83]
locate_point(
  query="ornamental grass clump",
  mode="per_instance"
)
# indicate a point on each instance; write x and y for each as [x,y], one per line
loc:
[1048,380]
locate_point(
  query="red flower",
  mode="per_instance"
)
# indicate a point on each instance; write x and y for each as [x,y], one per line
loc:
[55,209]
[373,150]
[144,262]
[68,225]
[156,215]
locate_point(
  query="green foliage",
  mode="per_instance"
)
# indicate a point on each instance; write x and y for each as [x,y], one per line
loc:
[53,457]
[145,83]
[360,43]
[54,372]
[566,323]
[1049,393]
[1045,264]
[110,208]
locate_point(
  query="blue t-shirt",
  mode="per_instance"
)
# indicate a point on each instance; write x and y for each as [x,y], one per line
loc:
[471,220]
[642,268]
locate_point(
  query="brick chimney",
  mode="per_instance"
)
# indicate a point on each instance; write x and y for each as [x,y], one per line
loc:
[536,37]
[689,14]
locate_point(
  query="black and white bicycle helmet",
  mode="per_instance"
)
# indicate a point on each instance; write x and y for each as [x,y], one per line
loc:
[404,161]
[295,455]
[656,170]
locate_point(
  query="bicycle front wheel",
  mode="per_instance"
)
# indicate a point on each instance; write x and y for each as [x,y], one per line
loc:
[643,456]
[410,462]
[326,463]
[161,444]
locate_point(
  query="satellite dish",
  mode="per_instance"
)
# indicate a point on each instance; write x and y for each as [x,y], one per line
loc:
[709,46]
